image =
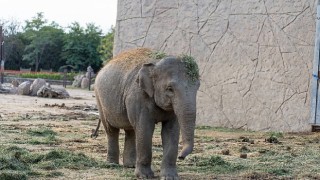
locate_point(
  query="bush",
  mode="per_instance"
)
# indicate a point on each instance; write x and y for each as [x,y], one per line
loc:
[53,76]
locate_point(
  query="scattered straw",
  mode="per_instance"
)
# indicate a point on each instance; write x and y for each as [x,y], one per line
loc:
[132,58]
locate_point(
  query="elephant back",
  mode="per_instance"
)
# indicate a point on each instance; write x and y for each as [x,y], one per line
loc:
[131,59]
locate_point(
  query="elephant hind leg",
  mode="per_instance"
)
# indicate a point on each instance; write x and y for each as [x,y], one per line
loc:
[113,145]
[112,136]
[129,153]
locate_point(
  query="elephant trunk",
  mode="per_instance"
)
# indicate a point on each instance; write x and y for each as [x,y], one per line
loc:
[186,120]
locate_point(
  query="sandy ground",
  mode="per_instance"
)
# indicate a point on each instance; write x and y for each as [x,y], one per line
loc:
[27,104]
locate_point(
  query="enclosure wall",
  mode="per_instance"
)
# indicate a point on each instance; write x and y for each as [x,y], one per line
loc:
[255,56]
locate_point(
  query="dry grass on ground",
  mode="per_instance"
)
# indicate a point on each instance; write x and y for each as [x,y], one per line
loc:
[54,143]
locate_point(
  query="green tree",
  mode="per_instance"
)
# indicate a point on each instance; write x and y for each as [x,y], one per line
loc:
[81,46]
[14,44]
[106,46]
[36,22]
[45,43]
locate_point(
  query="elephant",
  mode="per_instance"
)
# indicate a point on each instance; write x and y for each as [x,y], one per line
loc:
[136,90]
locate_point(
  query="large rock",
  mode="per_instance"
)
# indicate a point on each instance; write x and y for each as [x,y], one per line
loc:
[13,90]
[24,88]
[36,85]
[85,83]
[92,87]
[255,56]
[8,88]
[77,80]
[50,92]
[93,75]
[15,83]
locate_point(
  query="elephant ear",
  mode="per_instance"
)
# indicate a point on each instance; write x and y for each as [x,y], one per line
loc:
[145,78]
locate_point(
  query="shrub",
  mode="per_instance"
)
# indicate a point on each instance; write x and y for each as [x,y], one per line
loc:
[53,76]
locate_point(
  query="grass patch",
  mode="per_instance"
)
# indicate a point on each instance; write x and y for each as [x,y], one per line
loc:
[41,132]
[42,136]
[279,172]
[158,55]
[213,164]
[191,66]
[220,129]
[21,163]
[50,140]
[12,175]
[54,174]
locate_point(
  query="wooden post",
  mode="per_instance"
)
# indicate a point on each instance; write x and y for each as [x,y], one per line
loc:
[89,72]
[315,104]
[65,71]
[1,55]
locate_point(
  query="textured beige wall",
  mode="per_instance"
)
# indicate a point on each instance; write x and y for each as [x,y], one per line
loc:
[255,56]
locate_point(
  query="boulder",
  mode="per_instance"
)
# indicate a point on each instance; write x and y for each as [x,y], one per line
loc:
[50,92]
[92,87]
[8,88]
[15,83]
[77,80]
[92,75]
[24,88]
[85,83]
[36,85]
[13,90]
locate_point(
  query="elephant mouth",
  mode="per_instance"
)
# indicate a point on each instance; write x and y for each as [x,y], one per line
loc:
[167,107]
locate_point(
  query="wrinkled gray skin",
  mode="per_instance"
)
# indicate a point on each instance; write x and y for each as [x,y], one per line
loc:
[138,98]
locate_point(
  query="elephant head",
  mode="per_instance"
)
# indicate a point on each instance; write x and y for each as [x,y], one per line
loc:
[173,82]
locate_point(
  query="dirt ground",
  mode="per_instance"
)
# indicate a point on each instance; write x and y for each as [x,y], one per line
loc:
[36,127]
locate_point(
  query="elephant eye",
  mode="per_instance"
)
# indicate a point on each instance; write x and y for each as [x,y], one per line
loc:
[169,88]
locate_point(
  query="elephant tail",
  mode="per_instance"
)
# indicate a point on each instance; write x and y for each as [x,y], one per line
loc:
[95,132]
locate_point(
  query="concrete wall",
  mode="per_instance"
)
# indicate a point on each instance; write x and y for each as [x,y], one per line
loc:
[255,56]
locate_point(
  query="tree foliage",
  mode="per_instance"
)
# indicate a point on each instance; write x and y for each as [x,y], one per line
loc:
[106,46]
[14,44]
[43,45]
[81,46]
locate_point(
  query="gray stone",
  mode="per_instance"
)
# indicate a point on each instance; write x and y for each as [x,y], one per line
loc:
[13,90]
[24,88]
[8,88]
[15,83]
[77,80]
[50,92]
[255,56]
[93,75]
[36,85]
[85,83]
[92,87]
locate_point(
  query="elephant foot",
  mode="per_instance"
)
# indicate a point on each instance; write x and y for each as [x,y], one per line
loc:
[143,172]
[129,164]
[169,174]
[113,160]
[169,178]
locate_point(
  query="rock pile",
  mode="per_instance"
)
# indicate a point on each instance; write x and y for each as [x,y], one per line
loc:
[83,80]
[49,92]
[38,87]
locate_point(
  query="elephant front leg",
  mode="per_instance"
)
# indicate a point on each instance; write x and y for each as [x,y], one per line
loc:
[170,140]
[144,131]
[129,153]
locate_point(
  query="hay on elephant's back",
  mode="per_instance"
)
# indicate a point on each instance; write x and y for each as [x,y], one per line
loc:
[132,58]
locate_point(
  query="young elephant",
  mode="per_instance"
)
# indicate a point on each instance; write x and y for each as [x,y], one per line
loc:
[135,91]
